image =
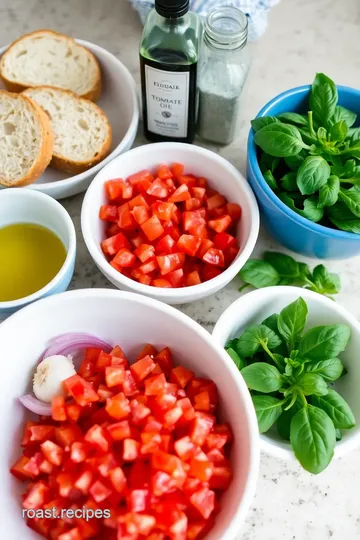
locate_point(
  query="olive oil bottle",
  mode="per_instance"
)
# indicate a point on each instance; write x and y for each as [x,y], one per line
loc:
[168,58]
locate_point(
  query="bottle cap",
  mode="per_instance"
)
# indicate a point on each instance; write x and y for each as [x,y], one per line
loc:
[172,8]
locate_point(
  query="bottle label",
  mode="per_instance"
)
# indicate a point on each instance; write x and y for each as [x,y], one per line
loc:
[167,97]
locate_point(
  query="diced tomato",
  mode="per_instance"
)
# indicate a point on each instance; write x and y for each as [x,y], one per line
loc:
[234,211]
[145,252]
[114,244]
[180,194]
[138,201]
[149,266]
[165,245]
[99,491]
[52,452]
[162,283]
[118,407]
[201,469]
[141,214]
[181,376]
[152,228]
[193,219]
[161,483]
[108,212]
[210,272]
[163,210]
[80,390]
[131,449]
[230,254]
[120,430]
[201,427]
[125,258]
[73,411]
[163,172]
[204,501]
[19,471]
[221,477]
[193,278]
[139,411]
[139,177]
[185,448]
[171,262]
[118,479]
[58,410]
[97,437]
[158,189]
[189,244]
[114,375]
[224,240]
[187,179]
[129,385]
[215,257]
[176,277]
[79,452]
[216,201]
[67,434]
[142,368]
[221,224]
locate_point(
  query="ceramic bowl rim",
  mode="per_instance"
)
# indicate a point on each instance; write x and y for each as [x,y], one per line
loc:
[268,445]
[163,293]
[254,164]
[219,353]
[125,73]
[54,206]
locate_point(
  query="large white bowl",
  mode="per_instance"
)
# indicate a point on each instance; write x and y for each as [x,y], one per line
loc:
[119,101]
[130,320]
[221,175]
[256,306]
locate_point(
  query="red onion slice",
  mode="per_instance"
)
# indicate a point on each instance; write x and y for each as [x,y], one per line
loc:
[35,405]
[68,343]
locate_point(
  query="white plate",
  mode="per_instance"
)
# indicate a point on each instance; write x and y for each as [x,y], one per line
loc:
[119,101]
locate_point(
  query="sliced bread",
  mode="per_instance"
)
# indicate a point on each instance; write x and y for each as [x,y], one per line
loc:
[82,133]
[45,57]
[26,140]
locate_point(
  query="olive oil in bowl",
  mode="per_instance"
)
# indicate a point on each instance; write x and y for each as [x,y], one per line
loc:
[30,257]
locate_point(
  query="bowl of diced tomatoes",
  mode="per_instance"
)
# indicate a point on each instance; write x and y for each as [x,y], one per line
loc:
[172,221]
[156,431]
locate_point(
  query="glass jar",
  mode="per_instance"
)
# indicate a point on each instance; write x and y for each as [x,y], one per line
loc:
[223,69]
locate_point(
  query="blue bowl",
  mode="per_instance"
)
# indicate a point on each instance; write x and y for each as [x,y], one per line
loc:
[286,226]
[21,205]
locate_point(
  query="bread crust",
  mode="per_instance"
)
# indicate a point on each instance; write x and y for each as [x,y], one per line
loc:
[92,94]
[46,148]
[70,166]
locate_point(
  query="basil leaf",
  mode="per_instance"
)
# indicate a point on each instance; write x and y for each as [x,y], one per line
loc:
[307,137]
[354,134]
[312,384]
[304,270]
[270,180]
[259,274]
[271,322]
[293,118]
[351,199]
[339,131]
[330,370]
[280,351]
[268,409]
[288,181]
[312,436]
[284,421]
[347,116]
[353,150]
[343,218]
[329,192]
[325,283]
[338,434]
[310,211]
[238,361]
[323,99]
[324,342]
[336,408]
[262,121]
[279,140]
[292,320]
[312,174]
[262,377]
[285,265]
[252,339]
[294,162]
[322,134]
[268,162]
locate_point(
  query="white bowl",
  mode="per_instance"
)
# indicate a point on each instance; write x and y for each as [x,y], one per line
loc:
[129,320]
[25,206]
[119,101]
[256,306]
[221,175]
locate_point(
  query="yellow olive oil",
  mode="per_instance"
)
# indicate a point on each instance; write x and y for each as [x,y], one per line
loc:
[30,257]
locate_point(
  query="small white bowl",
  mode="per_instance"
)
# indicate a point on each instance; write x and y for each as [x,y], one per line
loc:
[120,103]
[130,320]
[25,206]
[254,307]
[221,176]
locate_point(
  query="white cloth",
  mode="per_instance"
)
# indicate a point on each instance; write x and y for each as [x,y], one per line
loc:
[256,11]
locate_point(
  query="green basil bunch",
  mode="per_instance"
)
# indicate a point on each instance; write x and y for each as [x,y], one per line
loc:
[290,374]
[312,161]
[280,269]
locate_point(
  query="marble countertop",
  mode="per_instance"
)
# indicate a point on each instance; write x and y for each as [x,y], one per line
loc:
[304,36]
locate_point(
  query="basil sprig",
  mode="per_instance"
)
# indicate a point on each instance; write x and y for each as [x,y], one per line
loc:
[312,161]
[280,269]
[290,372]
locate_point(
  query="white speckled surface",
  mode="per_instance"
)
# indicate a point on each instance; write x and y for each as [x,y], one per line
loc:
[304,36]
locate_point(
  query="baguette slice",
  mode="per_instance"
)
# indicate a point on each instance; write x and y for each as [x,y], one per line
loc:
[26,140]
[82,133]
[45,57]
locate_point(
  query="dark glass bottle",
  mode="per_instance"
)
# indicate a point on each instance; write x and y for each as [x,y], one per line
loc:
[168,60]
